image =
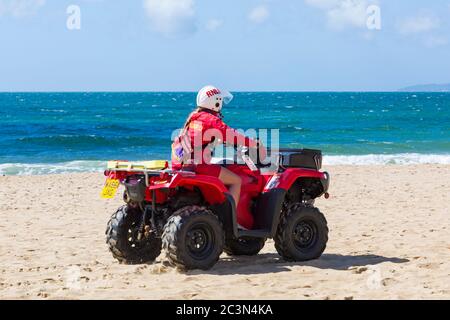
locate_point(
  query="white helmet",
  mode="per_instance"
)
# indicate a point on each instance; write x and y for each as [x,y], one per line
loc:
[212,98]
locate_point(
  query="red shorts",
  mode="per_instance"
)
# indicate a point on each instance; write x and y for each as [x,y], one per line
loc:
[208,169]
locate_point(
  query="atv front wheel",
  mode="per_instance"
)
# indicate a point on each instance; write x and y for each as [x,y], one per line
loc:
[121,237]
[302,233]
[193,238]
[244,246]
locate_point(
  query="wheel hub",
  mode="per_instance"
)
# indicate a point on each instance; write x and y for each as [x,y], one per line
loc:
[133,235]
[199,241]
[304,234]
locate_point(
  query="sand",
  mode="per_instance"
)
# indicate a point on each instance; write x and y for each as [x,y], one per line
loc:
[389,239]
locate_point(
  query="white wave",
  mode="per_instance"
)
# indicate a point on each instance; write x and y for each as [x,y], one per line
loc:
[380,159]
[51,168]
[99,166]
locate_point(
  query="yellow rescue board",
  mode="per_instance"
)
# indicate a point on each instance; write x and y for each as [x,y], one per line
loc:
[143,165]
[110,189]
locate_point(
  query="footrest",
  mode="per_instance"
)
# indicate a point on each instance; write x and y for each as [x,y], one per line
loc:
[254,233]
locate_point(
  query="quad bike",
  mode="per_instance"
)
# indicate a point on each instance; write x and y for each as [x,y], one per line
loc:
[194,218]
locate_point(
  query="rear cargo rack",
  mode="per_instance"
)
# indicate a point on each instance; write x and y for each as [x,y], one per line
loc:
[147,168]
[142,165]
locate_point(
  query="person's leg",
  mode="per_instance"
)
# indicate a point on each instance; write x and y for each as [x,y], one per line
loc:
[233,181]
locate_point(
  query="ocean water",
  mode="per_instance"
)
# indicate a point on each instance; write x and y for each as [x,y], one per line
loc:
[73,132]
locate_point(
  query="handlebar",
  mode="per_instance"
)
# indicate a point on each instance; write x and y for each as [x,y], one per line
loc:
[243,153]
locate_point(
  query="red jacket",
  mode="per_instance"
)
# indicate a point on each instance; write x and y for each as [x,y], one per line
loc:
[204,128]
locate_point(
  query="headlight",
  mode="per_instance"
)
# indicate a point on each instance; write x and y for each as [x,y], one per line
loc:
[273,182]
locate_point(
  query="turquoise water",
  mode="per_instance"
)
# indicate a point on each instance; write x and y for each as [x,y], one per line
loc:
[65,132]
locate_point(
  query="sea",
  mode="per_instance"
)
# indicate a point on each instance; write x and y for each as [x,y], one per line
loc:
[46,133]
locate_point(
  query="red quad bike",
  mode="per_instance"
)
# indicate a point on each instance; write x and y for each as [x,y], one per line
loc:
[194,218]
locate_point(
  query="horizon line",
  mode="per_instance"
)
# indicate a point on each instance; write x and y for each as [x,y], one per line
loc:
[236,91]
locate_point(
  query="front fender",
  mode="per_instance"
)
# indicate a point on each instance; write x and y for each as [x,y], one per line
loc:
[286,179]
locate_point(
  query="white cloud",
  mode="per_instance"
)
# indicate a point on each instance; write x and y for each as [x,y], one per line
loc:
[323,4]
[171,17]
[213,24]
[20,8]
[436,41]
[424,27]
[259,14]
[341,14]
[418,24]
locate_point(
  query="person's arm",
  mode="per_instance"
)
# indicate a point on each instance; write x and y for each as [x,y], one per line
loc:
[233,137]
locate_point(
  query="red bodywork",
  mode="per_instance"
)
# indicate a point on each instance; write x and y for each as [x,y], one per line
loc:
[253,184]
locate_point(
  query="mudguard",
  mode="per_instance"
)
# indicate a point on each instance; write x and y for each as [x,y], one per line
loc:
[226,212]
[212,189]
[288,177]
[268,210]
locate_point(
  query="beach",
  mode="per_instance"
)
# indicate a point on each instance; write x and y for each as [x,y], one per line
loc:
[389,239]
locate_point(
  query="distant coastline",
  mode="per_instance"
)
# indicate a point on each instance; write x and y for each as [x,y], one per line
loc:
[427,88]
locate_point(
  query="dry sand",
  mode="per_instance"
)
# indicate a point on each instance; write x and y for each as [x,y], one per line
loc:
[389,239]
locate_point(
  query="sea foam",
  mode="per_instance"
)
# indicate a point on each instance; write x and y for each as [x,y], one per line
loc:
[99,166]
[387,159]
[51,168]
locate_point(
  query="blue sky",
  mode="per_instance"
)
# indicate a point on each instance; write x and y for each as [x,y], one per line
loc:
[181,45]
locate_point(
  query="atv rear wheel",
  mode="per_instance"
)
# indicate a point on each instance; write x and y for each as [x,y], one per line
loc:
[193,238]
[244,246]
[302,233]
[121,237]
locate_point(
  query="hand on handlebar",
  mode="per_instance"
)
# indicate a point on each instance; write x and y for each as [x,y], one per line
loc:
[257,154]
